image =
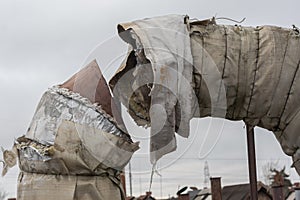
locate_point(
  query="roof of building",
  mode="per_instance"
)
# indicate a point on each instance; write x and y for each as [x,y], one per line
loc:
[242,191]
[204,194]
[146,197]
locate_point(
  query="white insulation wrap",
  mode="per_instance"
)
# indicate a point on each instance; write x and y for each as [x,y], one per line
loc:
[239,73]
[74,148]
[172,69]
[76,145]
[96,130]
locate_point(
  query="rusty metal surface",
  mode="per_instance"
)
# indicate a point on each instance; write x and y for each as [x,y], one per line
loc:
[123,182]
[90,83]
[252,162]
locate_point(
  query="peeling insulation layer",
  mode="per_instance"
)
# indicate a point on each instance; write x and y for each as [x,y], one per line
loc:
[237,73]
[73,148]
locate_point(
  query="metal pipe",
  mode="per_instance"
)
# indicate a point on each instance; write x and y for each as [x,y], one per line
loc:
[123,181]
[130,179]
[251,162]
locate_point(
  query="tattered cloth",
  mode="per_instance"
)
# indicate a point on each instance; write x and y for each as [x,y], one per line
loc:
[164,63]
[76,146]
[239,73]
[72,150]
[55,187]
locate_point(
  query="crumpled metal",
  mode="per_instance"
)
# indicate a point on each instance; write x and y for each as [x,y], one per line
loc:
[73,148]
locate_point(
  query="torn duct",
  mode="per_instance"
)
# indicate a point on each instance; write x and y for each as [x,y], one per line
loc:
[76,145]
[200,68]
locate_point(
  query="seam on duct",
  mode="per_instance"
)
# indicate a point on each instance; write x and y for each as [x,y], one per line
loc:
[289,94]
[238,74]
[280,72]
[255,71]
[225,60]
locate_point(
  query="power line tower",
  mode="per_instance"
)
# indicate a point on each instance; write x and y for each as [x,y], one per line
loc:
[206,175]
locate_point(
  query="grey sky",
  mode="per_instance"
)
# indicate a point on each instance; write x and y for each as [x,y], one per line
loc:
[42,43]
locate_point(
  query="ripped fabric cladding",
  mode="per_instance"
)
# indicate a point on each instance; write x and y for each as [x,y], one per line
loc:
[73,149]
[177,69]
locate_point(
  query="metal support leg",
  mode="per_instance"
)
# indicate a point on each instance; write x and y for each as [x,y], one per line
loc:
[130,179]
[252,162]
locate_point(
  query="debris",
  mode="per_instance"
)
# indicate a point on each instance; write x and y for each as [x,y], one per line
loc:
[237,73]
[74,148]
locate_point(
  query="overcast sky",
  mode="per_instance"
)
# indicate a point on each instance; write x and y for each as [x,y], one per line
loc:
[42,43]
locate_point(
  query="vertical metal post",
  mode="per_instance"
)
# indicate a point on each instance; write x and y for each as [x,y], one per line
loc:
[123,181]
[251,162]
[297,191]
[130,179]
[161,187]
